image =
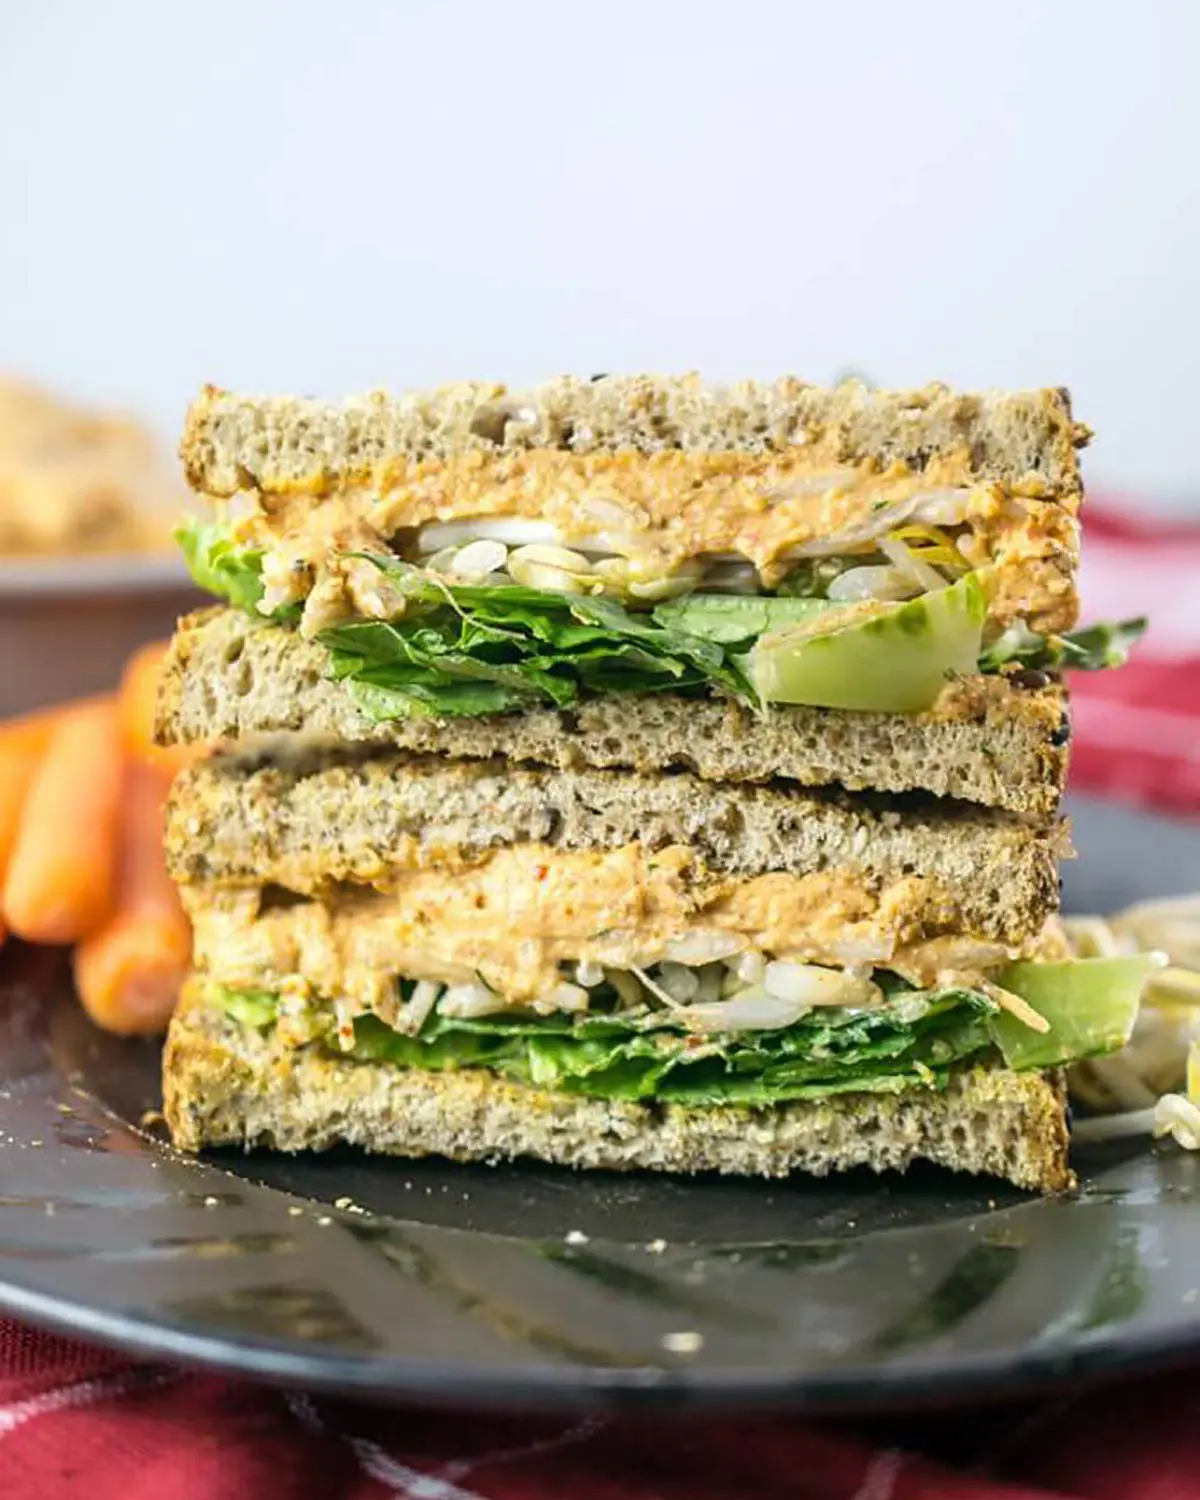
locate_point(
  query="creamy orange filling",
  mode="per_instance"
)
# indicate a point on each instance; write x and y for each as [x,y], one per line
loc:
[667,509]
[515,919]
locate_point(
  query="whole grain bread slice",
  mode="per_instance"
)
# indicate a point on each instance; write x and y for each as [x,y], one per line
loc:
[286,443]
[313,822]
[988,740]
[229,1085]
[671,472]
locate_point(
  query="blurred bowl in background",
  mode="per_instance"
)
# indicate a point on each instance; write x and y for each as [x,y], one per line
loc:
[88,570]
[67,624]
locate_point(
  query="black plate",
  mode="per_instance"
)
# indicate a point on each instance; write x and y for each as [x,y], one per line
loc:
[536,1287]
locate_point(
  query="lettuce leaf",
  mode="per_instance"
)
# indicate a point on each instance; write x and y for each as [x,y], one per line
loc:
[1092,649]
[218,564]
[736,620]
[464,650]
[911,1042]
[226,568]
[1090,1004]
[828,1052]
[255,1008]
[467,649]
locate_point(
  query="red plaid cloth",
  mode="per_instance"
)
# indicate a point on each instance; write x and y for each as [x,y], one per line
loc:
[1137,731]
[76,1421]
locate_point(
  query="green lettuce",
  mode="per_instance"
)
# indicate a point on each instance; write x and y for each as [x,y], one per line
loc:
[608,1057]
[1089,650]
[254,1008]
[462,650]
[220,565]
[830,1051]
[1090,1004]
[911,1042]
[736,620]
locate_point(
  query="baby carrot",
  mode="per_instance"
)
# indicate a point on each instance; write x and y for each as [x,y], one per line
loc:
[19,755]
[23,742]
[129,971]
[135,701]
[135,708]
[59,885]
[37,725]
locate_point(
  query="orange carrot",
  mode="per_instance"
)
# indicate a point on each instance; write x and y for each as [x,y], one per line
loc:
[29,735]
[61,876]
[18,760]
[136,706]
[23,742]
[128,973]
[135,702]
[19,755]
[33,730]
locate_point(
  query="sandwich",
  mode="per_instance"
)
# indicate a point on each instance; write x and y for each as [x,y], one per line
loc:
[634,773]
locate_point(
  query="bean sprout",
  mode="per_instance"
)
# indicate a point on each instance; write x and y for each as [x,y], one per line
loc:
[1152,1086]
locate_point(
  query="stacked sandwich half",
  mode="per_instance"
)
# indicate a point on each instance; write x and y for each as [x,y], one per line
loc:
[634,773]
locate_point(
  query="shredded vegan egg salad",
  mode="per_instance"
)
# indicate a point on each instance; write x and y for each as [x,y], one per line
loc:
[622,976]
[1153,1083]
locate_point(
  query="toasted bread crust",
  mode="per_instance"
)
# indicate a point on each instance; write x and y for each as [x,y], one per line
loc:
[227,678]
[286,443]
[228,1085]
[680,471]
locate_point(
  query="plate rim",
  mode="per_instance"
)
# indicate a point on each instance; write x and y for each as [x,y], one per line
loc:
[670,1383]
[542,1387]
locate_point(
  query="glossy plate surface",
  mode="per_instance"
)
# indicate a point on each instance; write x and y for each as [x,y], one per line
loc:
[536,1287]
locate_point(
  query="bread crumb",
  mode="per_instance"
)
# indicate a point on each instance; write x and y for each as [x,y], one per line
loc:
[656,1247]
[576,1237]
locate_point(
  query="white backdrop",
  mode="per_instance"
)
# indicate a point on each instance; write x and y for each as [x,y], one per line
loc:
[325,195]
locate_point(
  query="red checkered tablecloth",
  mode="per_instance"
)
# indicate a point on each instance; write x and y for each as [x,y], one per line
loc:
[79,1422]
[1137,730]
